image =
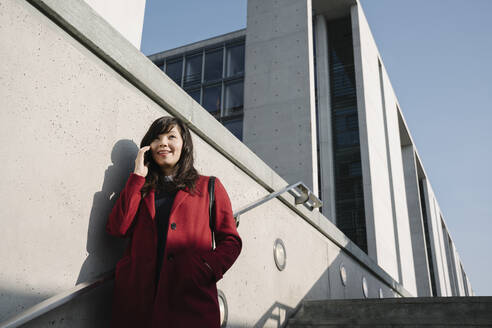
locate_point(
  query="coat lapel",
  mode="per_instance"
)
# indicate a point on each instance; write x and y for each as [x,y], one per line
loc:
[178,200]
[150,203]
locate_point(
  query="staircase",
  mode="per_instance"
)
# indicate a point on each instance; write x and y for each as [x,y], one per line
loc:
[395,312]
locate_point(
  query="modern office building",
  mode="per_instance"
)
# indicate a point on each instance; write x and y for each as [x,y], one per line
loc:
[304,87]
[301,94]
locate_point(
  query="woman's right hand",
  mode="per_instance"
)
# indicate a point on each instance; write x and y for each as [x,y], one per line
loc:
[140,167]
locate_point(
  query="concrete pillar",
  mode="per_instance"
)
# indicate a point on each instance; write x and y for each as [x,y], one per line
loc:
[279,102]
[325,133]
[416,222]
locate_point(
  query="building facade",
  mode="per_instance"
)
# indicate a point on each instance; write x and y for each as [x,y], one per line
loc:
[304,87]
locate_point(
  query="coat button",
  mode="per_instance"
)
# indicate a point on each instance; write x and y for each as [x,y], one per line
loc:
[173,226]
[170,257]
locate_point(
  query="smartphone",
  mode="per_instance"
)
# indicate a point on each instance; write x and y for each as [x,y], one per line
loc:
[147,157]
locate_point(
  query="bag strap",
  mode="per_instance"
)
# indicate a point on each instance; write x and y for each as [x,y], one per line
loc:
[211,207]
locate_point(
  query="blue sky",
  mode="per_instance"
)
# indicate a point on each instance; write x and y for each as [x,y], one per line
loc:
[437,54]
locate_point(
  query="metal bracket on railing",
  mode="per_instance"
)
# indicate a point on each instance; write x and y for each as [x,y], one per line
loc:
[299,190]
[305,196]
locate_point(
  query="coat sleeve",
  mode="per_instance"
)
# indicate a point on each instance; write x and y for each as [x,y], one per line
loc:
[126,206]
[227,240]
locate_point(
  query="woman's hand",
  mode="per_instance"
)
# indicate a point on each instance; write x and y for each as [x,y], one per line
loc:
[140,167]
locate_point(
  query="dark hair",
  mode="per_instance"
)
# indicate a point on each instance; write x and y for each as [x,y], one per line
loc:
[185,173]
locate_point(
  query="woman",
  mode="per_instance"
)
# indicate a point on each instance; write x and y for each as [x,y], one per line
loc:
[167,276]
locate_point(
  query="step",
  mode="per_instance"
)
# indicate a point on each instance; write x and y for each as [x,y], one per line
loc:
[396,312]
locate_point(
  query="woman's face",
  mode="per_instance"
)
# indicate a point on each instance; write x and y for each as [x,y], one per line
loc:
[166,149]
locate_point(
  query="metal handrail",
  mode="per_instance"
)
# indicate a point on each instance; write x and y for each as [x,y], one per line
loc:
[303,196]
[301,193]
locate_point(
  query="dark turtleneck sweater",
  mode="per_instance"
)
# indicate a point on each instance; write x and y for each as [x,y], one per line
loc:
[164,198]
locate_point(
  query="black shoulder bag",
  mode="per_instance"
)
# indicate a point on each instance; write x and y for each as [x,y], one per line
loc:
[211,207]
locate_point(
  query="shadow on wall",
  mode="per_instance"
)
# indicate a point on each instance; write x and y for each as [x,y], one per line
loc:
[328,285]
[278,313]
[89,310]
[15,301]
[105,250]
[94,308]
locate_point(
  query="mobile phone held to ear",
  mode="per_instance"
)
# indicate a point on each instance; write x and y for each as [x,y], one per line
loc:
[147,157]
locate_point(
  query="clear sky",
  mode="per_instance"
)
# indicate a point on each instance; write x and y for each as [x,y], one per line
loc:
[438,56]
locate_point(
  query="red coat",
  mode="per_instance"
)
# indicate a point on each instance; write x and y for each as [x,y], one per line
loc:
[187,294]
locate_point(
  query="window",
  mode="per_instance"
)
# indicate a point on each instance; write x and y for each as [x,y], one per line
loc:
[349,192]
[235,60]
[211,99]
[193,73]
[235,126]
[195,94]
[233,99]
[213,65]
[174,70]
[214,77]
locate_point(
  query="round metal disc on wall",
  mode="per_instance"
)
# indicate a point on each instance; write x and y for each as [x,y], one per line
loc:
[224,311]
[279,254]
[343,274]
[364,287]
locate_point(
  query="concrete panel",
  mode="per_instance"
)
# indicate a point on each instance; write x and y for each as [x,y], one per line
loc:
[459,275]
[437,243]
[377,195]
[126,16]
[397,179]
[279,79]
[325,137]
[417,233]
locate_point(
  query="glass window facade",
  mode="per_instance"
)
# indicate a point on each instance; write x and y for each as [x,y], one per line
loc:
[235,60]
[195,94]
[193,71]
[174,69]
[234,125]
[212,99]
[349,194]
[213,65]
[214,77]
[233,98]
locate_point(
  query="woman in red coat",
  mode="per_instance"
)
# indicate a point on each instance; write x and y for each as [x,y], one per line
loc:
[167,276]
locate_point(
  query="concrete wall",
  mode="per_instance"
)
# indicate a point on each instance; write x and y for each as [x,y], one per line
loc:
[393,221]
[379,221]
[77,100]
[387,220]
[397,182]
[126,16]
[279,108]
